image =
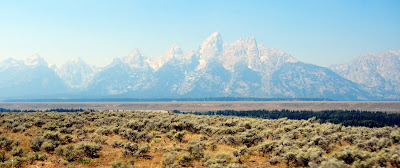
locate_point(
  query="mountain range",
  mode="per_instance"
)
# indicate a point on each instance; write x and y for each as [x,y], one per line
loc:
[243,68]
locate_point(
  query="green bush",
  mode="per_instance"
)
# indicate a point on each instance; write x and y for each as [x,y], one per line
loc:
[99,140]
[49,145]
[130,149]
[169,160]
[84,161]
[184,160]
[40,156]
[5,143]
[68,152]
[3,156]
[196,149]
[88,149]
[142,149]
[117,144]
[104,131]
[17,151]
[180,135]
[36,143]
[50,135]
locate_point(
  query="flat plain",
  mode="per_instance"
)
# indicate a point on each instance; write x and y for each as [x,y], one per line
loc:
[385,106]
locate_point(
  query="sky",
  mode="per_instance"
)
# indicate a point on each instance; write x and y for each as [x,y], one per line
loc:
[313,31]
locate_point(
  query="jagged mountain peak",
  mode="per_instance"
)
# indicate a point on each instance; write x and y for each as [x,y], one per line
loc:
[35,60]
[212,45]
[210,49]
[136,59]
[245,43]
[76,73]
[77,60]
[242,68]
[173,51]
[394,52]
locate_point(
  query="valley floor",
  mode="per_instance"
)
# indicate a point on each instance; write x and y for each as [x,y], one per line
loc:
[385,106]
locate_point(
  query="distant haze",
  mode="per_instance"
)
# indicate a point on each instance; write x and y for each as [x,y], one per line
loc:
[317,32]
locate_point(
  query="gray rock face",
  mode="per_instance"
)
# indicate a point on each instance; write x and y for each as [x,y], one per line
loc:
[244,68]
[124,75]
[377,73]
[76,73]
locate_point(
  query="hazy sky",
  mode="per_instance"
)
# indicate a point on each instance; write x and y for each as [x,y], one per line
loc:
[319,32]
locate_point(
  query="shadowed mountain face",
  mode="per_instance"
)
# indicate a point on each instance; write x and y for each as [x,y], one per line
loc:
[244,68]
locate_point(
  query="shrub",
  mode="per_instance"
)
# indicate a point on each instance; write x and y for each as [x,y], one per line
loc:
[234,165]
[55,136]
[142,149]
[5,143]
[49,145]
[275,160]
[130,134]
[213,146]
[84,161]
[17,151]
[349,155]
[117,164]
[36,143]
[196,149]
[16,162]
[169,160]
[39,156]
[88,149]
[99,140]
[130,149]
[179,136]
[220,160]
[2,156]
[395,136]
[66,139]
[223,156]
[67,152]
[18,129]
[267,147]
[104,131]
[117,144]
[184,160]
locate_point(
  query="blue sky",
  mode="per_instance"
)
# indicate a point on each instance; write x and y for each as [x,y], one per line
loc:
[318,32]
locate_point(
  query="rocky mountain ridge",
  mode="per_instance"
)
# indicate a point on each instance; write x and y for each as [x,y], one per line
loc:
[244,68]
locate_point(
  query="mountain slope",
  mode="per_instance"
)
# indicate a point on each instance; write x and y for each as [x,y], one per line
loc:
[378,73]
[76,73]
[244,68]
[29,78]
[128,74]
[307,80]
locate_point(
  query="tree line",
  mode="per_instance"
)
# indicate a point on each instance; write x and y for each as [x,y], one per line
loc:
[344,117]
